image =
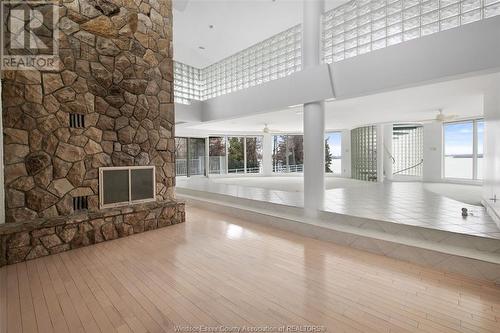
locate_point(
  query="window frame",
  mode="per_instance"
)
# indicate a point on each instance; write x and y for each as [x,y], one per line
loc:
[130,201]
[475,147]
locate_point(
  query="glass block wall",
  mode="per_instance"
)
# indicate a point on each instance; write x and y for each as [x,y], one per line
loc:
[187,83]
[361,26]
[364,153]
[271,59]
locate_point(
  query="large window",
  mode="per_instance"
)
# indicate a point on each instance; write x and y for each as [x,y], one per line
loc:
[217,155]
[181,156]
[333,152]
[463,149]
[253,150]
[288,153]
[120,186]
[189,156]
[236,154]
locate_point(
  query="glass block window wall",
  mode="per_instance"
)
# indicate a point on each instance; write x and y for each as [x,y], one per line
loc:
[271,59]
[361,26]
[187,83]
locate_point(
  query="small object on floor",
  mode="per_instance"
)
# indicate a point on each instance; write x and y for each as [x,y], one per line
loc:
[464,212]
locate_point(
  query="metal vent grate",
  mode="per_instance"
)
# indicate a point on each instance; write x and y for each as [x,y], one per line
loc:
[76,120]
[80,203]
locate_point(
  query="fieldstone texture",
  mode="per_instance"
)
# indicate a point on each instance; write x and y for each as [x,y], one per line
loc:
[41,237]
[116,70]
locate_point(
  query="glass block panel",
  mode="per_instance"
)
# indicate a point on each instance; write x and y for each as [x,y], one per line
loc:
[492,10]
[471,16]
[376,25]
[411,12]
[449,23]
[430,17]
[350,43]
[378,34]
[394,18]
[468,5]
[412,23]
[350,53]
[394,29]
[367,28]
[430,29]
[379,44]
[394,7]
[378,14]
[364,48]
[449,11]
[410,3]
[411,34]
[364,20]
[429,6]
[377,4]
[445,3]
[396,39]
[364,39]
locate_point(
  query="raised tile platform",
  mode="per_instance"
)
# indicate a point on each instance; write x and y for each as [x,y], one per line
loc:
[471,255]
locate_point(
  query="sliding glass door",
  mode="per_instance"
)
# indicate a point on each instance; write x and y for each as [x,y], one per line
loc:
[189,156]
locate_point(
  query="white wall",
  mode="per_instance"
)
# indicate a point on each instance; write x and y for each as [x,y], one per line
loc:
[433,152]
[491,183]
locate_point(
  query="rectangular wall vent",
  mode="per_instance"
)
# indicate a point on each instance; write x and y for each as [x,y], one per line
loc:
[76,120]
[80,203]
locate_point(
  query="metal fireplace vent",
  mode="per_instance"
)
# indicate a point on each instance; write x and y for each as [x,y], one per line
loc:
[80,203]
[76,120]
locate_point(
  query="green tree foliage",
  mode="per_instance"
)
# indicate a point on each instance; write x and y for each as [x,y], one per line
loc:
[236,153]
[328,157]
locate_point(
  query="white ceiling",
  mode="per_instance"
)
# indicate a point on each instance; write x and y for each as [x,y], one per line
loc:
[462,98]
[238,24]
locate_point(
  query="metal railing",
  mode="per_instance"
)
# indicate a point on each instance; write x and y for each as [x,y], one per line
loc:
[288,168]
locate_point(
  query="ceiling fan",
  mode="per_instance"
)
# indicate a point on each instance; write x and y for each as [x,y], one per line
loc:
[441,117]
[266,129]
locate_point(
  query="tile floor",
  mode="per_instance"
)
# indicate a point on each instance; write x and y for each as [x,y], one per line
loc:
[400,202]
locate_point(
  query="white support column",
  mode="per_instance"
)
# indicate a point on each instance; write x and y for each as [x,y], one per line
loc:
[314,113]
[380,153]
[267,154]
[388,153]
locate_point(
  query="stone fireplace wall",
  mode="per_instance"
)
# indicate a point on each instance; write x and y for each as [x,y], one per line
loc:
[116,70]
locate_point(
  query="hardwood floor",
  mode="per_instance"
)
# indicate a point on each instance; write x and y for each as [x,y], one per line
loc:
[215,270]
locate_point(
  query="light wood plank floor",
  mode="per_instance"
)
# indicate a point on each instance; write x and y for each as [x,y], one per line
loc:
[216,270]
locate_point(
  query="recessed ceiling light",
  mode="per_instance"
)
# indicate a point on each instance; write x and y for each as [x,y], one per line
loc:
[201,47]
[211,26]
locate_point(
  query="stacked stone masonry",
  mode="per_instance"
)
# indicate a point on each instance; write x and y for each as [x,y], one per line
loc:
[116,70]
[25,241]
